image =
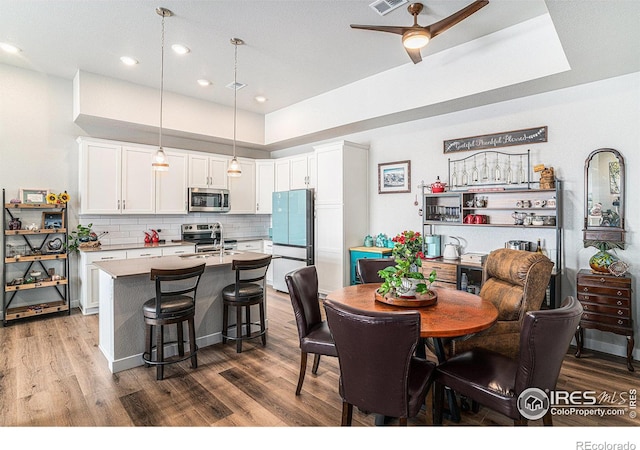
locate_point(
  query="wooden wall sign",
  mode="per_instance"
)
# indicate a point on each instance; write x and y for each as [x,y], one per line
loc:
[517,137]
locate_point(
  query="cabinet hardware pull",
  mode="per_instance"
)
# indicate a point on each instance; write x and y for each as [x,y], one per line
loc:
[585,289]
[601,280]
[107,257]
[586,306]
[619,293]
[620,312]
[619,303]
[620,322]
[118,204]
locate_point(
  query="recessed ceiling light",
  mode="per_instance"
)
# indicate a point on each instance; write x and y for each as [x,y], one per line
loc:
[180,49]
[260,98]
[129,61]
[9,48]
[203,82]
[236,86]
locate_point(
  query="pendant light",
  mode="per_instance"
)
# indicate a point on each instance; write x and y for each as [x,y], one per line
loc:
[160,162]
[234,169]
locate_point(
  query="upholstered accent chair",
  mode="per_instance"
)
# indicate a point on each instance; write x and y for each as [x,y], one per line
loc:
[515,281]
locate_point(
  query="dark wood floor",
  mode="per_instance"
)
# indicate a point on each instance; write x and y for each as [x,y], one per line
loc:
[52,373]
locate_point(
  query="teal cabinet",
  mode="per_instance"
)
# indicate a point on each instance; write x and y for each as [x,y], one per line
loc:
[365,252]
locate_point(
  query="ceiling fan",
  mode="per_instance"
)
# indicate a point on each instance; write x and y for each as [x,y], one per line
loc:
[416,37]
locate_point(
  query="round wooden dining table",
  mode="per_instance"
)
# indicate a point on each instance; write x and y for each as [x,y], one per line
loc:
[455,314]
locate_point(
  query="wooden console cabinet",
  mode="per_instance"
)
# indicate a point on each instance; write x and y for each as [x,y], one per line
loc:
[606,300]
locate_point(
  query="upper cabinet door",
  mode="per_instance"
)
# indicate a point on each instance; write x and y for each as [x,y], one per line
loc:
[138,181]
[282,175]
[242,189]
[198,171]
[100,181]
[265,184]
[171,186]
[218,166]
[298,174]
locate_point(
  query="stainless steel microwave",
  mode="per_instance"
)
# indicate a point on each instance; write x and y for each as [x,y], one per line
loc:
[208,200]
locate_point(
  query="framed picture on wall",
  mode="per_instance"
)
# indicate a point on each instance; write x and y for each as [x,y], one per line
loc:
[394,177]
[33,195]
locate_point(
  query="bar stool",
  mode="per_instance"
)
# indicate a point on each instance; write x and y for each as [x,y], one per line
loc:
[249,289]
[174,303]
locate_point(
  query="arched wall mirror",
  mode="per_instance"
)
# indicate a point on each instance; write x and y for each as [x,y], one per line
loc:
[604,176]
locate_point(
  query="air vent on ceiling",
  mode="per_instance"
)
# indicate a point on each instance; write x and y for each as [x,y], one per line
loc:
[383,7]
[235,86]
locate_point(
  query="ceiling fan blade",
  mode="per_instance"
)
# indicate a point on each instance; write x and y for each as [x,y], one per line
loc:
[388,29]
[414,54]
[448,22]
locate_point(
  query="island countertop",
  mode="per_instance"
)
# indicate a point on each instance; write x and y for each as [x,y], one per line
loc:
[141,266]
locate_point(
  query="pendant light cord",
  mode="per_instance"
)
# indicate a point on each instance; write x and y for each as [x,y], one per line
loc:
[235,98]
[161,80]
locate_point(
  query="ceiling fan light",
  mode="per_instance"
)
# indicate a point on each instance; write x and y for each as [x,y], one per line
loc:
[234,169]
[414,39]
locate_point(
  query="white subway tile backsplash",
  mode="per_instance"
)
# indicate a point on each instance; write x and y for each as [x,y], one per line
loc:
[130,229]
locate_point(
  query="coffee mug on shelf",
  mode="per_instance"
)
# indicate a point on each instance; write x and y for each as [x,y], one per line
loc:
[469,218]
[551,203]
[480,218]
[539,203]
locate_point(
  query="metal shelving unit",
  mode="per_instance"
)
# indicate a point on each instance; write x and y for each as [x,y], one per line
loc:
[40,251]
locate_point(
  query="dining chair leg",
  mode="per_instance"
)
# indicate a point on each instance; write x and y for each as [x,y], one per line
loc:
[263,326]
[547,419]
[193,348]
[316,363]
[303,370]
[225,323]
[238,329]
[180,339]
[347,413]
[159,351]
[148,332]
[438,400]
[247,319]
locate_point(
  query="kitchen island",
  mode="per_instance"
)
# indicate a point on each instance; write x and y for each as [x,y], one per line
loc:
[124,287]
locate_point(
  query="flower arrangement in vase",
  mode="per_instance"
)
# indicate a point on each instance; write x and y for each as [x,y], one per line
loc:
[405,279]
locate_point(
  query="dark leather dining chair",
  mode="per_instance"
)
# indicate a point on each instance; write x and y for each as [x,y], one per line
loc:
[313,331]
[378,371]
[367,269]
[174,303]
[249,289]
[496,381]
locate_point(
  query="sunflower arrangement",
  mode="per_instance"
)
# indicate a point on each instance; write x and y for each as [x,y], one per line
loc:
[52,198]
[63,197]
[60,198]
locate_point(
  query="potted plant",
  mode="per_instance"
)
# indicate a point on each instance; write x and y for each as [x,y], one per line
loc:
[82,234]
[405,279]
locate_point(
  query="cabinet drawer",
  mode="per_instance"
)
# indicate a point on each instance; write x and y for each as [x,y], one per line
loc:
[607,281]
[611,291]
[181,250]
[250,246]
[613,301]
[443,285]
[611,320]
[445,272]
[92,257]
[144,253]
[604,309]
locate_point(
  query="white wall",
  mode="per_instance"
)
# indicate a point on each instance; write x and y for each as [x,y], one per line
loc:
[580,120]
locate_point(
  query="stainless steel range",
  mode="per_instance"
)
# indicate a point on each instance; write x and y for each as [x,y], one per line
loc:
[208,237]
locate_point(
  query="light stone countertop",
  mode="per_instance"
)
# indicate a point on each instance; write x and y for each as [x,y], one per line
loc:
[142,266]
[106,248]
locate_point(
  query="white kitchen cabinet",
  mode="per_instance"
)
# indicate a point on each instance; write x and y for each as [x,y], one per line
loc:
[138,181]
[267,247]
[265,185]
[250,246]
[171,186]
[242,189]
[208,171]
[342,212]
[119,179]
[100,177]
[296,172]
[89,274]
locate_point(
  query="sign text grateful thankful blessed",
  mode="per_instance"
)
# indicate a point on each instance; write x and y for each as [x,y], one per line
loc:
[517,137]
